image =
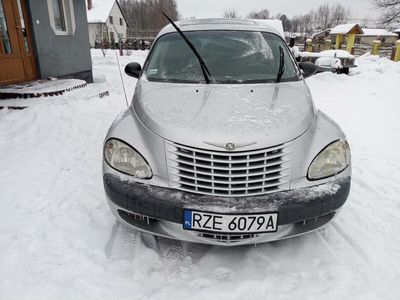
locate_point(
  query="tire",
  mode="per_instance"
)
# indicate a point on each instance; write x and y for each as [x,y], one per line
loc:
[343,71]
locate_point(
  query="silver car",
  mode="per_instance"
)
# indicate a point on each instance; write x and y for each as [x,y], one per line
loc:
[222,143]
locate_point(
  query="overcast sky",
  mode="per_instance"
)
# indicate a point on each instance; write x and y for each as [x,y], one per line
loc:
[214,8]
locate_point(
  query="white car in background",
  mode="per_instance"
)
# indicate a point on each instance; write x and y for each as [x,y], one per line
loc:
[339,61]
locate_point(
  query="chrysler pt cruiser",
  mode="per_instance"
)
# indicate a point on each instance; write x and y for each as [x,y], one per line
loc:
[222,143]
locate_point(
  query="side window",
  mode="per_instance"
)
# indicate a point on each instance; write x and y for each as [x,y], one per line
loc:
[110,19]
[62,17]
[121,22]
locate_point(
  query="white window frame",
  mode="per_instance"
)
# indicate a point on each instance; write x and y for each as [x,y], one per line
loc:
[69,17]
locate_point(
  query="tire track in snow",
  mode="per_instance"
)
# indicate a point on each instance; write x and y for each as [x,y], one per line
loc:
[357,249]
[123,243]
[174,257]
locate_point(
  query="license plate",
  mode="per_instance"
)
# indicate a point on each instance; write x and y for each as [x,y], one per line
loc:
[230,223]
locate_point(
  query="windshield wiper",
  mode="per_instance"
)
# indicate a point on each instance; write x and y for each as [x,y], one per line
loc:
[204,69]
[281,64]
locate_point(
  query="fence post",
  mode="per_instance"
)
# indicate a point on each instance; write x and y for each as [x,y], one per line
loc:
[375,47]
[350,42]
[309,45]
[339,41]
[397,55]
[121,53]
[328,44]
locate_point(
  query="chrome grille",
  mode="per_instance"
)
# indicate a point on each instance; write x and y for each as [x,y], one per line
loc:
[229,174]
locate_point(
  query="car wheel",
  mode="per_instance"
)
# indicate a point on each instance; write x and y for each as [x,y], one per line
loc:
[343,71]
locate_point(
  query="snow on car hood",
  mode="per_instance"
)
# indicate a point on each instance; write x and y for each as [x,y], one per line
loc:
[258,115]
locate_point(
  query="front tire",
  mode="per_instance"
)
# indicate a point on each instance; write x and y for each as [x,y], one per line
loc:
[343,71]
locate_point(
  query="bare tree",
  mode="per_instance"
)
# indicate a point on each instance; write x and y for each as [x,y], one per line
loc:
[327,16]
[102,40]
[390,11]
[146,16]
[307,21]
[262,14]
[323,16]
[286,23]
[339,14]
[230,13]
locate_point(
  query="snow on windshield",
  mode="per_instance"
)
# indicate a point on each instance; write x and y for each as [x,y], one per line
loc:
[231,57]
[258,44]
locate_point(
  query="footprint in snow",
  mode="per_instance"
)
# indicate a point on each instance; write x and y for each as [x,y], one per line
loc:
[200,283]
[223,273]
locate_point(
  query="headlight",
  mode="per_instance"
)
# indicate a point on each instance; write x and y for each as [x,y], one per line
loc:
[125,159]
[332,160]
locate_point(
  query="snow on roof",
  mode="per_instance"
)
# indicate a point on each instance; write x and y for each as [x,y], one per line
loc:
[377,32]
[343,28]
[397,30]
[276,24]
[328,53]
[100,11]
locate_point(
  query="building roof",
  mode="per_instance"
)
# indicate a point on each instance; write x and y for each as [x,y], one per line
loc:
[397,30]
[346,28]
[225,24]
[276,24]
[377,32]
[101,10]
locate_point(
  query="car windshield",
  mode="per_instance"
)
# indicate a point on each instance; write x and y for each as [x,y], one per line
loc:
[231,57]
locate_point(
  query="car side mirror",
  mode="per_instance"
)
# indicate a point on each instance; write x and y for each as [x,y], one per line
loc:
[308,68]
[133,69]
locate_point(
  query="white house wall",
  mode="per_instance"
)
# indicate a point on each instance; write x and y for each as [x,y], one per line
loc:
[116,28]
[92,33]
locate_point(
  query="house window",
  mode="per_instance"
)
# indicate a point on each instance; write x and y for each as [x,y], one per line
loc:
[5,44]
[23,26]
[121,22]
[62,17]
[58,15]
[110,19]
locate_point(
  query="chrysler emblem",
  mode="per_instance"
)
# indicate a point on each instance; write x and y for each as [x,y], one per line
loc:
[230,146]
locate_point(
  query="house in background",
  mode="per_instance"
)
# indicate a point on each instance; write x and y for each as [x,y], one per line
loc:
[41,39]
[106,21]
[397,31]
[387,38]
[363,36]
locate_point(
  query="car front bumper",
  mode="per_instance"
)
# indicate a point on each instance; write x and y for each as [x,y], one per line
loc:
[159,210]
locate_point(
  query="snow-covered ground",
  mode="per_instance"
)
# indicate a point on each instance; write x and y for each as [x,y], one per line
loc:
[58,239]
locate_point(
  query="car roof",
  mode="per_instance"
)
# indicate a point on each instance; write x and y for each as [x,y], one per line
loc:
[219,24]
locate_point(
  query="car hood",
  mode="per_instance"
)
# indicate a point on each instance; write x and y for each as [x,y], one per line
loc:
[252,116]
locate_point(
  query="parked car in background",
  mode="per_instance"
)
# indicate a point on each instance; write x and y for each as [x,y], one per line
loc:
[222,143]
[339,61]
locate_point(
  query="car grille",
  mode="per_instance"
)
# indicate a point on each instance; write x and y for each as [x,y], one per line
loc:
[226,238]
[228,173]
